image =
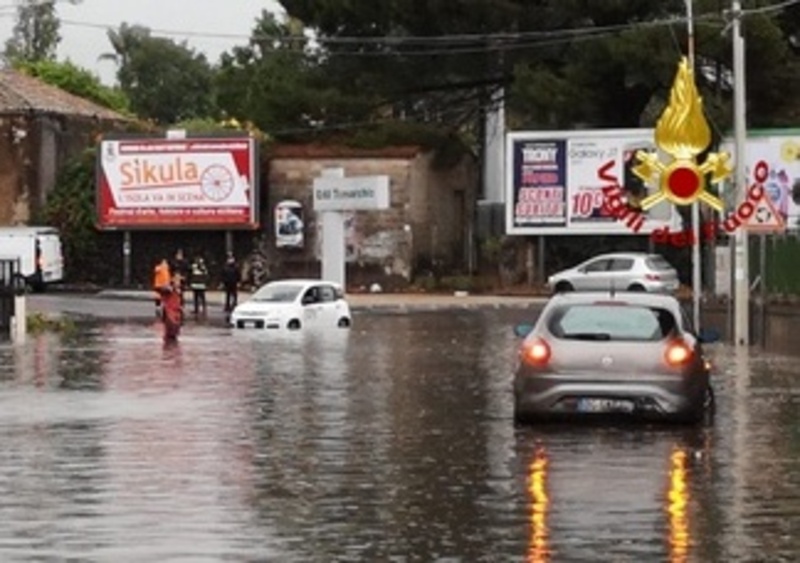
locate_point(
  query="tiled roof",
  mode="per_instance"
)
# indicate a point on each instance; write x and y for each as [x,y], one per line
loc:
[22,93]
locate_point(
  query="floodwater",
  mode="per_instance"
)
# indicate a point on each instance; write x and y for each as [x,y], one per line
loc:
[390,442]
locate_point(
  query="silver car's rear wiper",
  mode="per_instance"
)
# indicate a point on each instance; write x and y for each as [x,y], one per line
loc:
[587,336]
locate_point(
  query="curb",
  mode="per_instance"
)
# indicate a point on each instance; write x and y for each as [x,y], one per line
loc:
[377,303]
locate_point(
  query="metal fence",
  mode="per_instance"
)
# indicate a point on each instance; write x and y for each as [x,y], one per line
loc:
[775,261]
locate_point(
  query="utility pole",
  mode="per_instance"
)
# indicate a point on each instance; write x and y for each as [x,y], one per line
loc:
[741,325]
[697,272]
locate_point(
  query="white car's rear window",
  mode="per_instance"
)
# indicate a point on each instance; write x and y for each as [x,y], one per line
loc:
[279,293]
[611,322]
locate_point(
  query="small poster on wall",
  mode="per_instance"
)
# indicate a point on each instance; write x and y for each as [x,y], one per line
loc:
[289,224]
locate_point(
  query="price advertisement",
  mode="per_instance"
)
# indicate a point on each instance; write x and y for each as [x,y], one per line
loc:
[555,181]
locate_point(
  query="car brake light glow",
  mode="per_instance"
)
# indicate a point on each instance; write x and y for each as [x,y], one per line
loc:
[536,352]
[652,277]
[677,353]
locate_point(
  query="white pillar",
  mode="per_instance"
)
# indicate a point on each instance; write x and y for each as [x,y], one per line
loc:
[333,239]
[494,159]
[333,247]
[19,322]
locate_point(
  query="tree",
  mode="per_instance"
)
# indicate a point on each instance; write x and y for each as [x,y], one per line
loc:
[76,80]
[565,63]
[36,32]
[164,80]
[275,82]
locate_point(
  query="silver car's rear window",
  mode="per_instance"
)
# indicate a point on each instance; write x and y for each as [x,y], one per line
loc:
[658,263]
[611,322]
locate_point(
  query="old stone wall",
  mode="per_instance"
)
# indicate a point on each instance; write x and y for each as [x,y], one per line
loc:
[33,149]
[428,219]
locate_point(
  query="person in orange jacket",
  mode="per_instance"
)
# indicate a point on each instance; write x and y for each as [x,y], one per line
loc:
[162,278]
[173,309]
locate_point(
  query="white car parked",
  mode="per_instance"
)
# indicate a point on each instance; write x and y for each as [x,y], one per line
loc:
[293,304]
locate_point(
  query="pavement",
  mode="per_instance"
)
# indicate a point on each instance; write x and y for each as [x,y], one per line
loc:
[389,302]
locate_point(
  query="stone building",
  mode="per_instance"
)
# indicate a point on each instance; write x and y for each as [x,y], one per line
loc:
[428,227]
[41,128]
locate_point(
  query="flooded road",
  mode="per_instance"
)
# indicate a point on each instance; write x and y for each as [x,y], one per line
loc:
[393,441]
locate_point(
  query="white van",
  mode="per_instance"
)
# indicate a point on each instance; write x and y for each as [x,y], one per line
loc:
[39,252]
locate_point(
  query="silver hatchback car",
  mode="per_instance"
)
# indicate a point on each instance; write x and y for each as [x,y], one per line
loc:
[600,353]
[632,271]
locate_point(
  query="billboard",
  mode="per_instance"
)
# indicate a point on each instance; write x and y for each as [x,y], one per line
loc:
[555,180]
[190,183]
[780,150]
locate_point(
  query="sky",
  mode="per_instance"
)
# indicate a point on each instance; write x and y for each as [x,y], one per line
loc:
[83,26]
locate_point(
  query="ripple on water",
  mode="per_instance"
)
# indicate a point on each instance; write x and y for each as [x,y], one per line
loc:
[389,442]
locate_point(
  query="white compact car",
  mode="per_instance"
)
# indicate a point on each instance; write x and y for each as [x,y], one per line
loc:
[293,304]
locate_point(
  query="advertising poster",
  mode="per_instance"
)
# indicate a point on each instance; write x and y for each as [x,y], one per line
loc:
[190,183]
[782,155]
[571,168]
[289,224]
[539,183]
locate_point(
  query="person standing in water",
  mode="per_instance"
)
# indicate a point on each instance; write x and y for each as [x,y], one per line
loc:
[173,309]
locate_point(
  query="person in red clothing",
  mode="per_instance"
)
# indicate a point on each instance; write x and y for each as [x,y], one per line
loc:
[173,310]
[161,279]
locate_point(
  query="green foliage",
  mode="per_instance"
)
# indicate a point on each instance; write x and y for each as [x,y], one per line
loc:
[448,147]
[71,209]
[77,81]
[276,83]
[165,81]
[565,63]
[36,32]
[38,323]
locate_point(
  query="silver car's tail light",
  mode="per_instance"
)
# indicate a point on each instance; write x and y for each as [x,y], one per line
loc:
[677,353]
[652,277]
[535,352]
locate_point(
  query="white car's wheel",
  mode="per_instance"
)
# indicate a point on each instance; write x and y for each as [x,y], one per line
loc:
[344,322]
[294,324]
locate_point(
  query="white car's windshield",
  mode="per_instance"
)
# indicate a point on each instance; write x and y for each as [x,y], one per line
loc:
[277,293]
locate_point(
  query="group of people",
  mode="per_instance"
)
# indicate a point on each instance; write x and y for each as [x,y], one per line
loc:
[171,280]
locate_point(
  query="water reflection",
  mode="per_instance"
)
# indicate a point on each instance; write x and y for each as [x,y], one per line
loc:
[678,501]
[392,441]
[539,551]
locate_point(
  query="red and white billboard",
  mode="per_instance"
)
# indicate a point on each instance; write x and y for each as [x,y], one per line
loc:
[189,183]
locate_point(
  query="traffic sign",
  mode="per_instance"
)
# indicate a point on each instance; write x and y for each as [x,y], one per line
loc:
[765,218]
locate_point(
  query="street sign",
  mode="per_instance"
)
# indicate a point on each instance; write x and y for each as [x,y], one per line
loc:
[765,218]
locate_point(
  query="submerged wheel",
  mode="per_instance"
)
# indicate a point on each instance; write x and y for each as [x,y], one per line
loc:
[344,322]
[294,324]
[709,400]
[636,287]
[564,286]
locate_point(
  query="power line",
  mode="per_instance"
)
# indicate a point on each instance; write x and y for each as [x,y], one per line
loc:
[449,39]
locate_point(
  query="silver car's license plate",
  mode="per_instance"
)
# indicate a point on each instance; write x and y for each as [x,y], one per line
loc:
[604,405]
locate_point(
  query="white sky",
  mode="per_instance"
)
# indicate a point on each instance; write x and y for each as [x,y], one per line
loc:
[83,44]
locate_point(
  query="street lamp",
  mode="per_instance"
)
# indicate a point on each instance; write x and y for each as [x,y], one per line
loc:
[741,327]
[697,282]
